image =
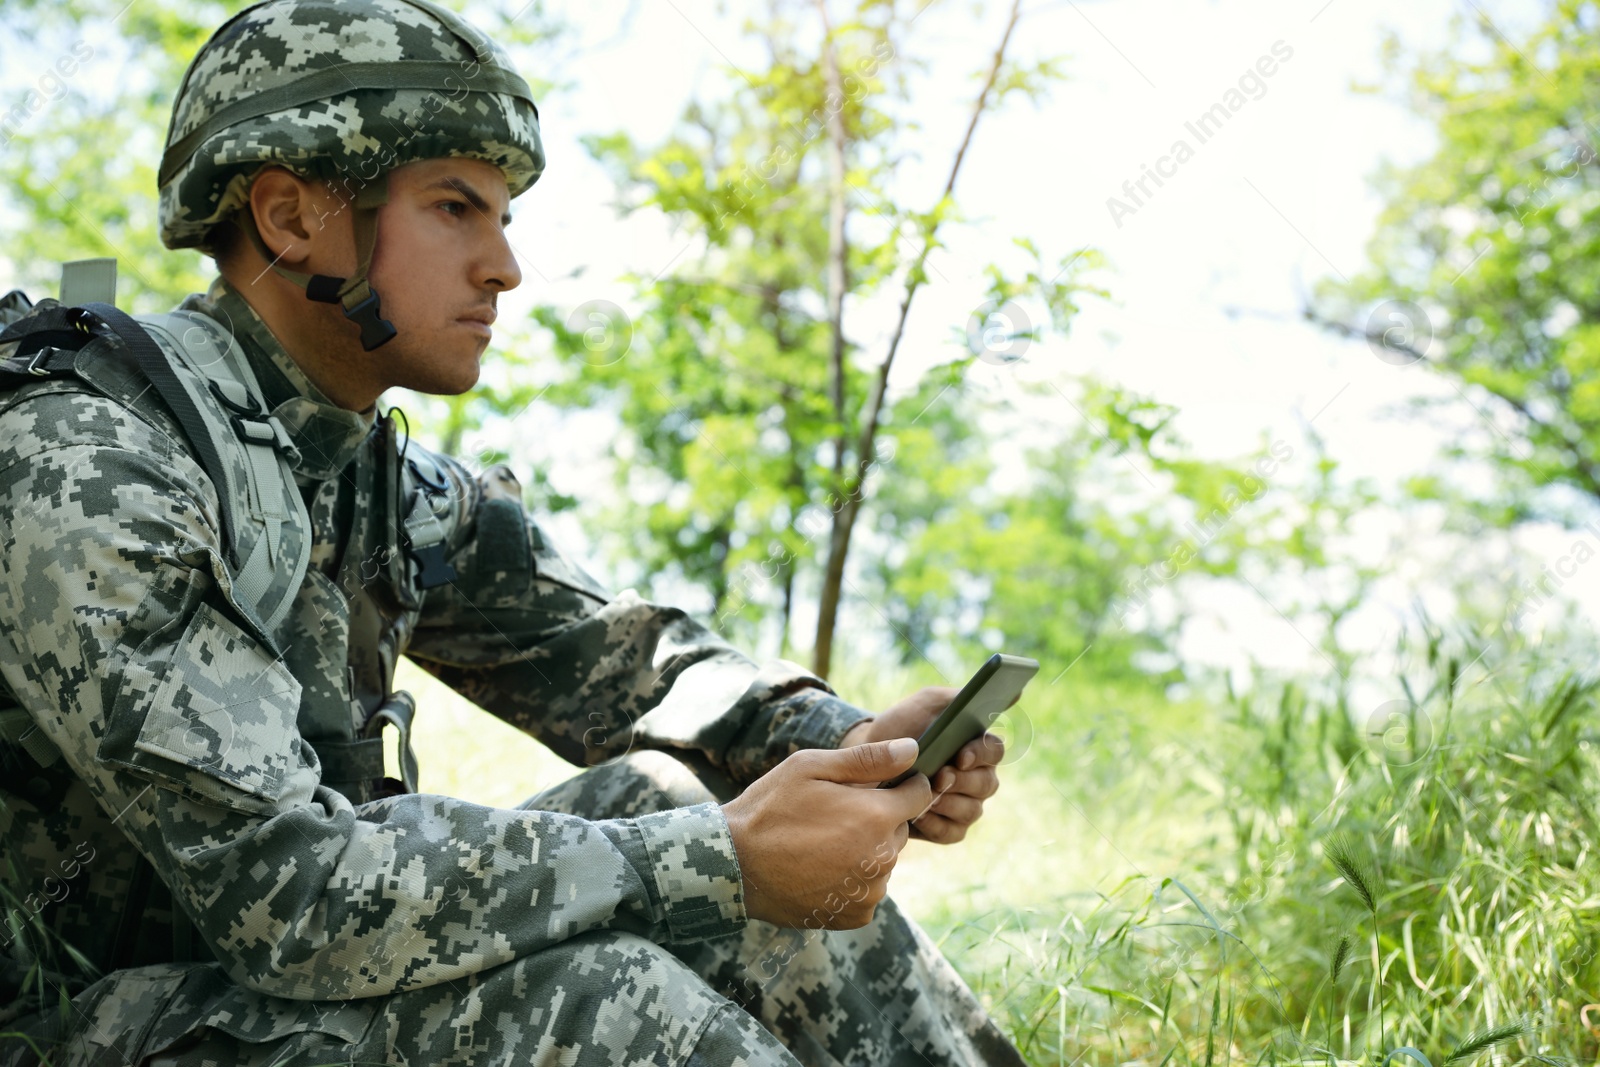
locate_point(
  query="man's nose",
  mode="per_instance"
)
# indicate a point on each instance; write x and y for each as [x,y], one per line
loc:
[500,269]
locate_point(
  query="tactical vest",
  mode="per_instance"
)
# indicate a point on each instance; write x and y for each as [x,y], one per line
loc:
[184,368]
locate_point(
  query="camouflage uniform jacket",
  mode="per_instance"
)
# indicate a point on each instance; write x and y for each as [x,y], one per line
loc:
[189,738]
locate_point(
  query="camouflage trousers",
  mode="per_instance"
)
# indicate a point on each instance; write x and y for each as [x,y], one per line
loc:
[880,995]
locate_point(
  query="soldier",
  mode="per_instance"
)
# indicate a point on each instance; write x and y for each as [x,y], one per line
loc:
[200,643]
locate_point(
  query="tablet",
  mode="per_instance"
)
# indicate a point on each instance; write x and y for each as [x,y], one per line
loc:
[989,692]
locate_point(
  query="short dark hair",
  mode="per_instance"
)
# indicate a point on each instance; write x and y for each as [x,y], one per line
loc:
[223,240]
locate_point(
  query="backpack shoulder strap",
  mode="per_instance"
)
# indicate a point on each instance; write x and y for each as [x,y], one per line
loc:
[53,341]
[204,380]
[259,481]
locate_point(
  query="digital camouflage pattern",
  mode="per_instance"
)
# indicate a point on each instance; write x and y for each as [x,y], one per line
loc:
[602,923]
[880,996]
[350,137]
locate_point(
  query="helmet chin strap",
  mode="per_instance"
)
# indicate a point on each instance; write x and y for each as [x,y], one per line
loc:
[356,294]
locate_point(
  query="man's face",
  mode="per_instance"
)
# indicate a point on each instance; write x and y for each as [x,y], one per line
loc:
[441,262]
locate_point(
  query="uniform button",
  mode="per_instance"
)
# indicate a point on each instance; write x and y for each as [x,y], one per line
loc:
[441,504]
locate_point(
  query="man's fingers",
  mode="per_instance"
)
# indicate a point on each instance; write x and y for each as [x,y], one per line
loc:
[866,764]
[940,830]
[957,808]
[982,783]
[908,799]
[986,750]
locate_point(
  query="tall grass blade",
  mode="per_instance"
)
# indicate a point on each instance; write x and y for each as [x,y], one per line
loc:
[1566,697]
[1211,1031]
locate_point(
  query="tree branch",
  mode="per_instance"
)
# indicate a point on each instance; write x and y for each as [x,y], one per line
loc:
[837,249]
[880,385]
[848,491]
[1587,470]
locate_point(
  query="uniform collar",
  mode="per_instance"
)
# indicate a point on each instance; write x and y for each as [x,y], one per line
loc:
[327,435]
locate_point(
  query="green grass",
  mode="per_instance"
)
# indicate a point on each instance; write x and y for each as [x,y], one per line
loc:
[1464,889]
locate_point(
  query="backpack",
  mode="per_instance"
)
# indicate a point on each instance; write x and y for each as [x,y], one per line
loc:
[203,377]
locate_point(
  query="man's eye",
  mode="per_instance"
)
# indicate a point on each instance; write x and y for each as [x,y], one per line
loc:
[455,207]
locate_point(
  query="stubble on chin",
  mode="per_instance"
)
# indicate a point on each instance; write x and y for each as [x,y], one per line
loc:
[432,369]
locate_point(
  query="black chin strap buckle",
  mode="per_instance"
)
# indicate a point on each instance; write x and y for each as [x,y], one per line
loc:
[375,329]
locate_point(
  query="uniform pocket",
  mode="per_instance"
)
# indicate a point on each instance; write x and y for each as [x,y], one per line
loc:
[219,721]
[200,998]
[118,1018]
[225,708]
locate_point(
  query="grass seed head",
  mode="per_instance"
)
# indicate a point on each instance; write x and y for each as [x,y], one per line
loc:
[1486,1038]
[1341,956]
[1353,869]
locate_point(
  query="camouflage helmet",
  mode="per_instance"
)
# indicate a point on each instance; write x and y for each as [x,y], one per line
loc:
[345,91]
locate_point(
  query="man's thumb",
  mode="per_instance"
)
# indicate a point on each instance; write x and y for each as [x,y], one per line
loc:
[873,762]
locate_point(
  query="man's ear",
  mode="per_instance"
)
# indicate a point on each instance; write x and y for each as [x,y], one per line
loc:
[300,222]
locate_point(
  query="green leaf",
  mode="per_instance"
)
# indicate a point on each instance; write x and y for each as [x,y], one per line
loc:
[1409,1052]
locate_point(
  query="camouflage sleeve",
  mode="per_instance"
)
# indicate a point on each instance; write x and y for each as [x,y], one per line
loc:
[119,642]
[524,632]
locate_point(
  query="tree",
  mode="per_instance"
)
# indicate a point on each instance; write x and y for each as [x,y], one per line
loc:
[1059,565]
[1485,262]
[753,422]
[78,163]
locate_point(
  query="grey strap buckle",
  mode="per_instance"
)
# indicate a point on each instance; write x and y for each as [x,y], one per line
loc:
[397,712]
[36,363]
[268,432]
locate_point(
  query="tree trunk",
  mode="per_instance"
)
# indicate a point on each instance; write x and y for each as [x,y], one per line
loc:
[788,607]
[721,537]
[848,493]
[838,250]
[455,425]
[823,649]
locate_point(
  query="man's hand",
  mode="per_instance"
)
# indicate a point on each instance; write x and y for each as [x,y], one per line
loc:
[961,786]
[815,850]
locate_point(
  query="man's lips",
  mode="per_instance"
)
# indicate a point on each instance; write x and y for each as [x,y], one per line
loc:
[479,321]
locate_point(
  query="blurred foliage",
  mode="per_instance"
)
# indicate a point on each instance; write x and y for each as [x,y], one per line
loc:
[80,161]
[1052,568]
[1493,239]
[741,441]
